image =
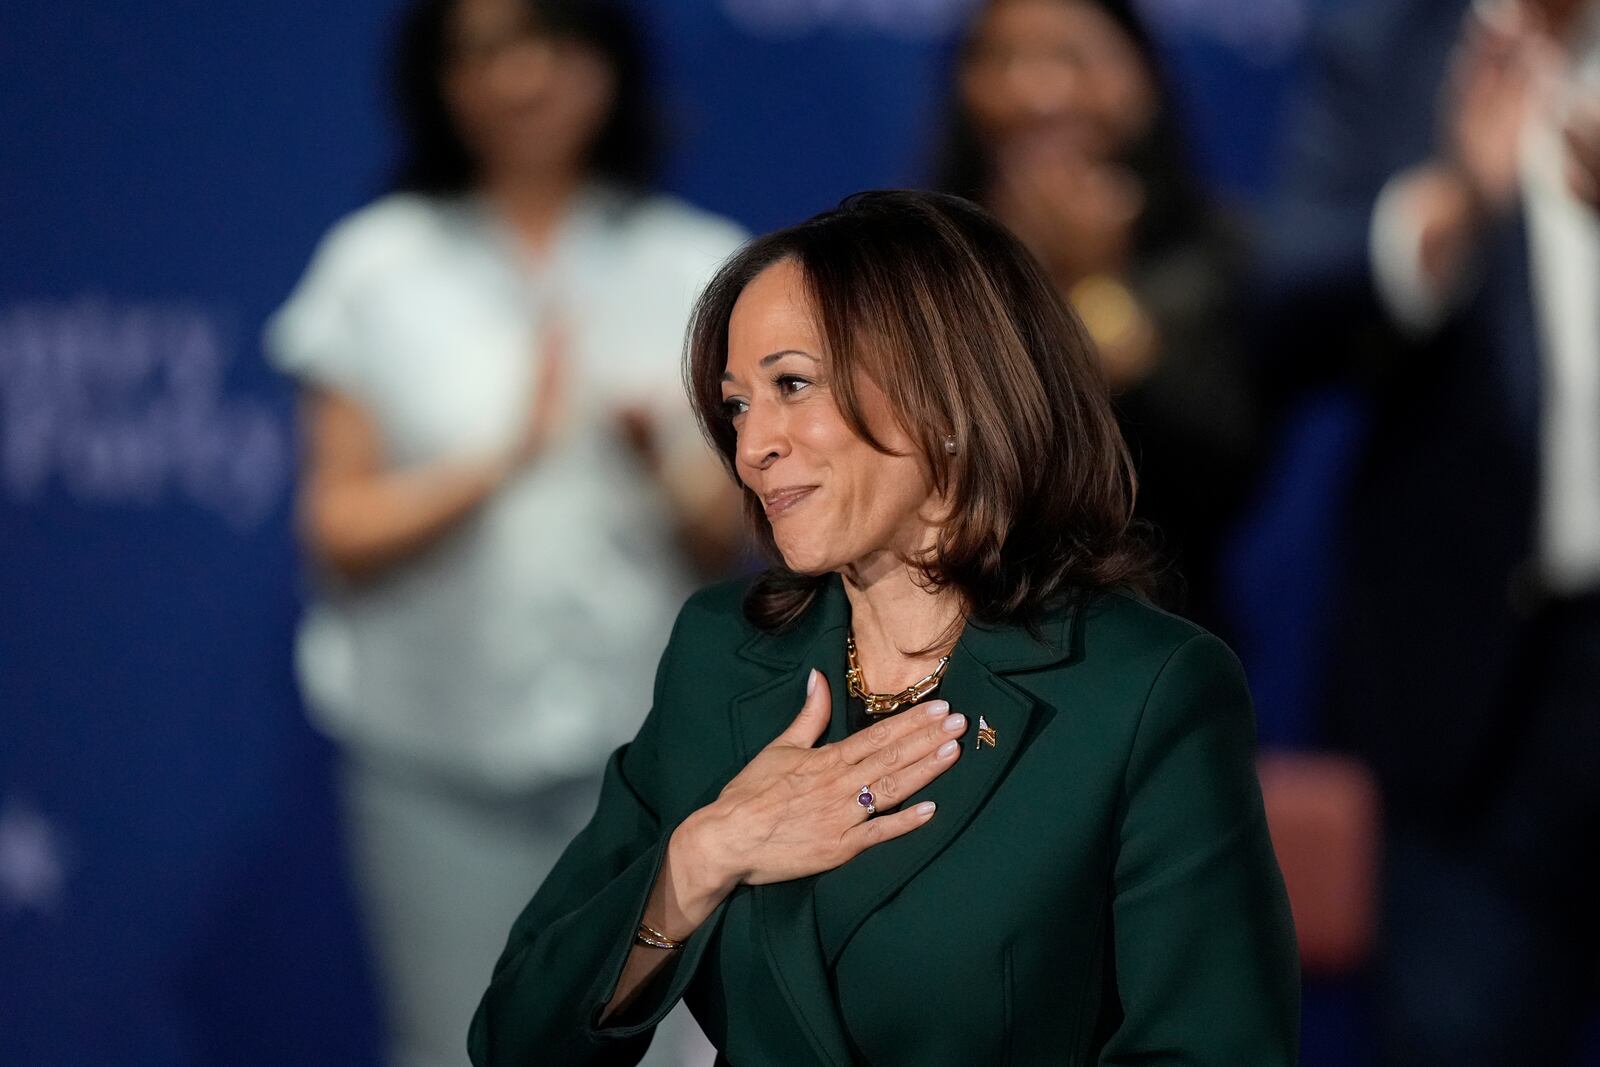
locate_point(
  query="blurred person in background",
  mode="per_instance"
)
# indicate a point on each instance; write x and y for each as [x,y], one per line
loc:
[1063,126]
[504,490]
[1438,240]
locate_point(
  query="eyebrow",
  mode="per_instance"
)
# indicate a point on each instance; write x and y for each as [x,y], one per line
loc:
[772,357]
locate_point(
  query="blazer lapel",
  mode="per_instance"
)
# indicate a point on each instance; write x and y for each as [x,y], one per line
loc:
[847,895]
[786,911]
[808,922]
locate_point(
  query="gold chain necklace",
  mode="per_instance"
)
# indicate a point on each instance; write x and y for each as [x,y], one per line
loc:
[884,703]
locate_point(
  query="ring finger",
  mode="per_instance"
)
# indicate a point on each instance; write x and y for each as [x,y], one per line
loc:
[891,788]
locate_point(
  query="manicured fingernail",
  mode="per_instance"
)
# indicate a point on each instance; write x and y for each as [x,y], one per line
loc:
[948,749]
[811,682]
[937,708]
[955,723]
[926,808]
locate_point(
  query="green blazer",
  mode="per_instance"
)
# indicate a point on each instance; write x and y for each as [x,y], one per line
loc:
[1097,888]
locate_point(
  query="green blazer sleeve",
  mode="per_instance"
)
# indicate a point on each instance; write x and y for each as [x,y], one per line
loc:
[1206,967]
[566,950]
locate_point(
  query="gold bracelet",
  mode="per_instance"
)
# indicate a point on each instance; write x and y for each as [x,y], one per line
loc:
[649,935]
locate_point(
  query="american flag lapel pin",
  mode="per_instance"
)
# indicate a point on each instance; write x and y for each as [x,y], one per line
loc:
[986,734]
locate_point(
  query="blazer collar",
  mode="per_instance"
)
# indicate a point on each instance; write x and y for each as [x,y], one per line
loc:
[1001,649]
[808,923]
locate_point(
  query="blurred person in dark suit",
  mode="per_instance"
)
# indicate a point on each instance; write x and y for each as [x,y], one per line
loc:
[1438,239]
[1063,126]
[504,489]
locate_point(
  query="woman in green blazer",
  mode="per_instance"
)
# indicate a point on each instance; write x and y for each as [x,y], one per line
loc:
[1060,859]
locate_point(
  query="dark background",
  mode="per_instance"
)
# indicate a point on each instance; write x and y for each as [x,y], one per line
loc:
[172,889]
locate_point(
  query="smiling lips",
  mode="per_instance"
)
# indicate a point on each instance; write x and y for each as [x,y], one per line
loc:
[781,500]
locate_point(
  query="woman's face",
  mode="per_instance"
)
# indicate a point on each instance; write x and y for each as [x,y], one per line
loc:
[1055,75]
[525,104]
[834,501]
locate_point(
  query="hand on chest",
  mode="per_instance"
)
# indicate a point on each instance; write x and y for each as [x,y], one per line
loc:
[922,941]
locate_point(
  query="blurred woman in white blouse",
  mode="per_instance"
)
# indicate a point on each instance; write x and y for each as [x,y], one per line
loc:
[504,495]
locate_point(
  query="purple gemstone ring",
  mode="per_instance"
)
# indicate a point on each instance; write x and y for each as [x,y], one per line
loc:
[864,798]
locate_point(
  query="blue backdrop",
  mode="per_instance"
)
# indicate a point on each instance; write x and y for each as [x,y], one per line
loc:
[172,890]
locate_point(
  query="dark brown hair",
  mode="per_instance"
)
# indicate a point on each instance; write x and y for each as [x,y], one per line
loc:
[437,161]
[936,303]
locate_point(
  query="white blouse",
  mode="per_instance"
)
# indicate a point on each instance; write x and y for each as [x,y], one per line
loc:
[522,647]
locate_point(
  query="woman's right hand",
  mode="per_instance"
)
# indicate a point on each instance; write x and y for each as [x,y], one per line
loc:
[792,811]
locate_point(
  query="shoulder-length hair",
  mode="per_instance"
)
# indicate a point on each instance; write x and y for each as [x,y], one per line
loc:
[949,315]
[435,160]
